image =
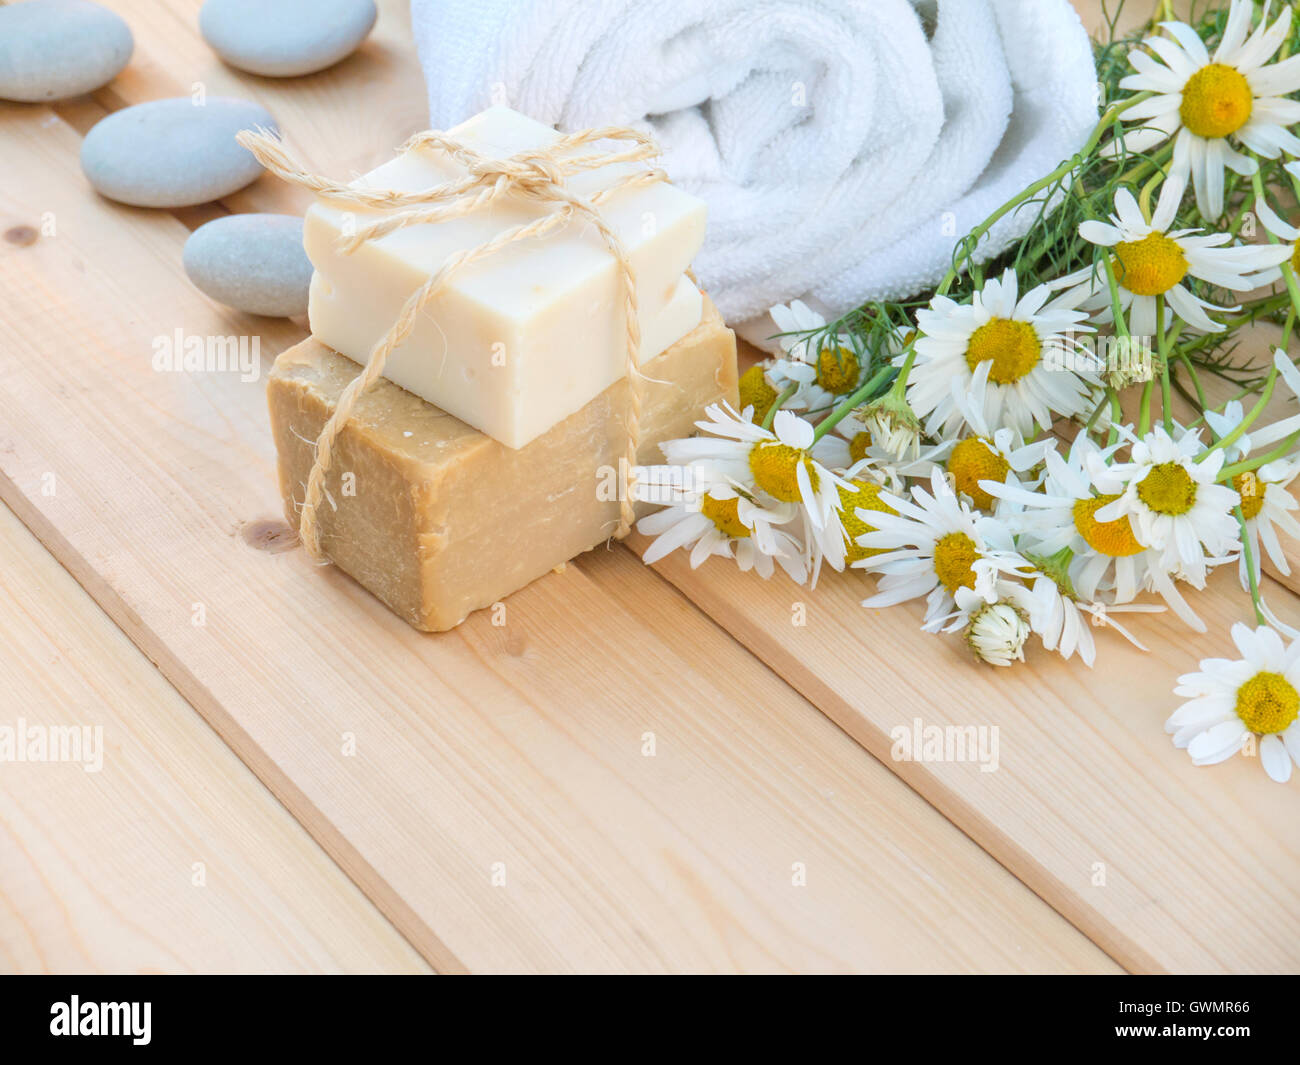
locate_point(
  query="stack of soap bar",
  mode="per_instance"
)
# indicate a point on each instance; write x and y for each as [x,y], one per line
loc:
[438,519]
[527,336]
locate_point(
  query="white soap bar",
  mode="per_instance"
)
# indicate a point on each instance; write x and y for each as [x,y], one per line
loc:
[413,369]
[517,341]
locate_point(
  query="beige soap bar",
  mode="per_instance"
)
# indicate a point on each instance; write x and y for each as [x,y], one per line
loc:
[443,520]
[524,337]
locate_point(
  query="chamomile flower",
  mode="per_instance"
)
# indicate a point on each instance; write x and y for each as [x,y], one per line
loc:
[1230,699]
[934,546]
[850,448]
[1152,261]
[1173,503]
[1065,623]
[1202,100]
[1224,422]
[1104,560]
[1011,334]
[837,372]
[1061,516]
[990,453]
[771,464]
[867,469]
[857,502]
[797,324]
[823,368]
[757,392]
[1266,506]
[728,523]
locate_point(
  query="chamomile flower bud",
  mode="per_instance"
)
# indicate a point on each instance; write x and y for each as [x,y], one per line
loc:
[893,426]
[997,633]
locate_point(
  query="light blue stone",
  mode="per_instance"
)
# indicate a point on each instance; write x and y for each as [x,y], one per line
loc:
[173,153]
[54,49]
[252,262]
[286,38]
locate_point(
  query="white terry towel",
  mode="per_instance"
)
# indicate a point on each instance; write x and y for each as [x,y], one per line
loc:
[843,146]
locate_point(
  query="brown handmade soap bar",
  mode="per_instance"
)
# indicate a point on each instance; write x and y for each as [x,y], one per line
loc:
[436,518]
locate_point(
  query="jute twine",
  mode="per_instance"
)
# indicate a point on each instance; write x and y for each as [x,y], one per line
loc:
[536,174]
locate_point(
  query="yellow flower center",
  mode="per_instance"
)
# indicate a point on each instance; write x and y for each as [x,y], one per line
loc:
[858,446]
[775,467]
[1168,489]
[725,515]
[1150,266]
[1216,101]
[954,561]
[972,461]
[1112,538]
[1013,348]
[1251,489]
[866,497]
[1267,703]
[756,392]
[838,370]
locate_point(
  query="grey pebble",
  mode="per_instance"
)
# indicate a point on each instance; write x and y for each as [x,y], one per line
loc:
[173,153]
[54,49]
[252,262]
[285,38]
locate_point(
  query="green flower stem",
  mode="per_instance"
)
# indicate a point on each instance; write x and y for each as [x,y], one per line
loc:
[1162,348]
[1246,465]
[778,403]
[1096,412]
[1231,438]
[1116,308]
[1248,555]
[1116,415]
[972,239]
[1144,411]
[1145,167]
[859,397]
[1202,402]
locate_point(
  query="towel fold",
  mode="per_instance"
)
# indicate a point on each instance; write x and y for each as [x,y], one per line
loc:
[843,147]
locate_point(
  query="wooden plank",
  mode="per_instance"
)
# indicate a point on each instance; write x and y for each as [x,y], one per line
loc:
[98,868]
[1091,805]
[489,751]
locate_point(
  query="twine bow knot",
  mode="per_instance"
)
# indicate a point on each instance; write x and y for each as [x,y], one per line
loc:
[537,174]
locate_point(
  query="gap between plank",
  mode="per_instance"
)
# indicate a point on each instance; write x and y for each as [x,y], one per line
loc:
[819,699]
[340,851]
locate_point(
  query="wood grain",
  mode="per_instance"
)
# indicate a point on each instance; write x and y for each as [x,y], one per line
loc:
[510,751]
[1167,866]
[171,856]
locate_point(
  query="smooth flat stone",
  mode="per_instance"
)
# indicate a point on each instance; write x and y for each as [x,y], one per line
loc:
[54,49]
[252,262]
[173,153]
[288,37]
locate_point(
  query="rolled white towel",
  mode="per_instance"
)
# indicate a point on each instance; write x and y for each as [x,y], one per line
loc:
[843,147]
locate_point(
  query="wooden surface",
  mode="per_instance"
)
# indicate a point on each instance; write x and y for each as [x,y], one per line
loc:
[491,791]
[170,855]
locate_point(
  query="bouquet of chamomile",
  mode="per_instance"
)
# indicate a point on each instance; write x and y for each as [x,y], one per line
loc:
[1064,436]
